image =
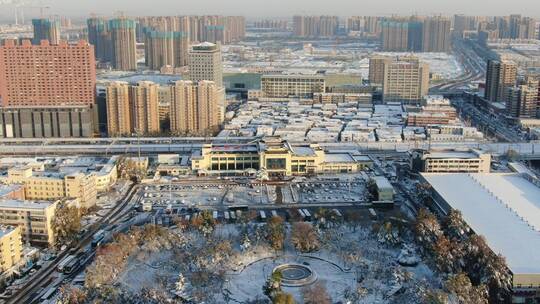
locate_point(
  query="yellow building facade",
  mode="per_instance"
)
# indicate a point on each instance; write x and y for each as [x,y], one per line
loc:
[274,156]
[53,186]
[33,218]
[10,247]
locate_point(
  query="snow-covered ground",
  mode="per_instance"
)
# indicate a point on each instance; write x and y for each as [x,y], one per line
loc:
[352,263]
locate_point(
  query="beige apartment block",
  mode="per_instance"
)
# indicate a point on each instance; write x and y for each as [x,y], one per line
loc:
[10,247]
[196,107]
[53,186]
[33,218]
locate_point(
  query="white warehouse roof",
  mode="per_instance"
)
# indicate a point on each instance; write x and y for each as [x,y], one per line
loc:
[505,208]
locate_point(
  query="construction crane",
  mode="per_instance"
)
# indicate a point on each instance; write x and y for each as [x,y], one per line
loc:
[41,9]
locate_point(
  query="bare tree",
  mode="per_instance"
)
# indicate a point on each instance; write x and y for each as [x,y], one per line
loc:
[460,287]
[275,231]
[316,294]
[66,223]
[304,237]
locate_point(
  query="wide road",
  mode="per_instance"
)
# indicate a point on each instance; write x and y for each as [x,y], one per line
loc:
[43,276]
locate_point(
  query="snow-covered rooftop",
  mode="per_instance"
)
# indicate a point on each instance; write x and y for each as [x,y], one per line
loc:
[505,208]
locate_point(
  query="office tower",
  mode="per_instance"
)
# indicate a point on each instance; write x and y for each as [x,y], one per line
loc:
[195,108]
[405,80]
[436,34]
[46,29]
[100,37]
[144,107]
[118,109]
[124,52]
[499,76]
[522,101]
[204,62]
[394,35]
[376,69]
[166,49]
[315,26]
[28,76]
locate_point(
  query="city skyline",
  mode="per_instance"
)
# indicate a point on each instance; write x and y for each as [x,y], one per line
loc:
[255,9]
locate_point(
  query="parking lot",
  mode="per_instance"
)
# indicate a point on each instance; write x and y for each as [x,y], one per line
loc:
[331,192]
[205,195]
[220,195]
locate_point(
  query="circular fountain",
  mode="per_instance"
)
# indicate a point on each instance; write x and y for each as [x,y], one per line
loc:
[295,275]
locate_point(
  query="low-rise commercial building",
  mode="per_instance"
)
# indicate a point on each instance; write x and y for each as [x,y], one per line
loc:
[504,208]
[275,156]
[54,185]
[47,121]
[472,161]
[10,247]
[14,191]
[33,218]
[337,98]
[385,190]
[276,86]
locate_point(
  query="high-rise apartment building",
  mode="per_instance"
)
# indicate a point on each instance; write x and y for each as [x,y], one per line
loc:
[394,35]
[205,63]
[118,109]
[132,108]
[195,108]
[46,29]
[315,26]
[521,27]
[405,80]
[354,24]
[436,34]
[166,49]
[46,74]
[499,76]
[463,23]
[215,29]
[271,24]
[101,38]
[124,47]
[144,107]
[376,69]
[522,101]
[372,25]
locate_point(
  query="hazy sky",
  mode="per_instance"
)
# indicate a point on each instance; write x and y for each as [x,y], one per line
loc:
[277,8]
